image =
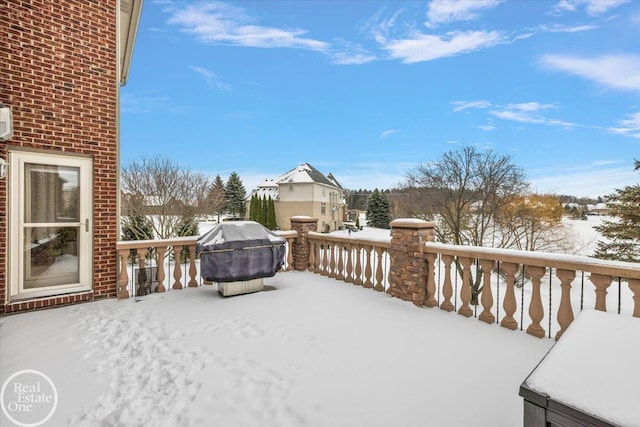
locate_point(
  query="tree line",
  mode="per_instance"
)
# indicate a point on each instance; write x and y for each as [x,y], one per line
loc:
[162,200]
[478,198]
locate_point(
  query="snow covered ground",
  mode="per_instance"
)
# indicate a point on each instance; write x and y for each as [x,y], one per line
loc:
[308,351]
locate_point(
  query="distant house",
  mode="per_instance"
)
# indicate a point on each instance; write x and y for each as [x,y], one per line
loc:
[62,64]
[304,191]
[598,209]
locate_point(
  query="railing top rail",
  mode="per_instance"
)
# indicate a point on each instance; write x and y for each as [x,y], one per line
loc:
[540,259]
[380,242]
[155,243]
[287,233]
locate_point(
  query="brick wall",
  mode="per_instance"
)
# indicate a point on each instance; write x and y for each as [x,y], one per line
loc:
[58,71]
[301,248]
[408,269]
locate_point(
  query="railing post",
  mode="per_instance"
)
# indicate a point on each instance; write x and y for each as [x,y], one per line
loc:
[486,298]
[367,268]
[301,247]
[431,281]
[160,251]
[349,274]
[357,280]
[634,285]
[290,255]
[601,283]
[123,277]
[324,267]
[312,256]
[465,288]
[177,270]
[332,260]
[509,303]
[379,274]
[340,275]
[565,312]
[536,312]
[408,268]
[193,282]
[447,287]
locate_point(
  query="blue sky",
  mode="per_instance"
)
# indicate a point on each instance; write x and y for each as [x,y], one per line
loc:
[368,90]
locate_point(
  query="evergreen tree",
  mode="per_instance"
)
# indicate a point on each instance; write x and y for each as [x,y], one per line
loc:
[623,232]
[264,205]
[252,207]
[271,215]
[378,210]
[235,195]
[136,226]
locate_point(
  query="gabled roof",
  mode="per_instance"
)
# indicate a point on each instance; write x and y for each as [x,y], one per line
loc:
[304,173]
[333,179]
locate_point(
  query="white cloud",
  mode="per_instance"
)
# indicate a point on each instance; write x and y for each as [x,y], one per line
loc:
[463,105]
[351,54]
[526,112]
[426,47]
[530,106]
[629,126]
[615,71]
[529,112]
[443,12]
[211,79]
[605,162]
[592,7]
[387,133]
[226,24]
[518,116]
[558,28]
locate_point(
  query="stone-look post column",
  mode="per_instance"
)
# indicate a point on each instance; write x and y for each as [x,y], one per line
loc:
[301,248]
[409,269]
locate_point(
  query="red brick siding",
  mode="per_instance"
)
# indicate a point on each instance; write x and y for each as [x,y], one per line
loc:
[58,68]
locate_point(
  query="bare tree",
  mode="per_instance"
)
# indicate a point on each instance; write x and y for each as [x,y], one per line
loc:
[466,188]
[533,222]
[160,189]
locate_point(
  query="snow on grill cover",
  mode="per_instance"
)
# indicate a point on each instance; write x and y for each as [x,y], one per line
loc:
[239,250]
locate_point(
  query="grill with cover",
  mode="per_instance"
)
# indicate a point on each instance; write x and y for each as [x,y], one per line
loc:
[239,251]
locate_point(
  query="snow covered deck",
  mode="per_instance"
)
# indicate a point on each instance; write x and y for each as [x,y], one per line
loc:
[308,351]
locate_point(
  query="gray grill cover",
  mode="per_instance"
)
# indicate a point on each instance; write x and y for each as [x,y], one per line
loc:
[239,250]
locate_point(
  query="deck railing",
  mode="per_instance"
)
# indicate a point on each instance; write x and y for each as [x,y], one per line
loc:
[362,262]
[160,254]
[542,285]
[517,289]
[154,252]
[533,291]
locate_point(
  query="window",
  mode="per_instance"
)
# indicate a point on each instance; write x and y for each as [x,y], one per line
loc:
[290,187]
[323,208]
